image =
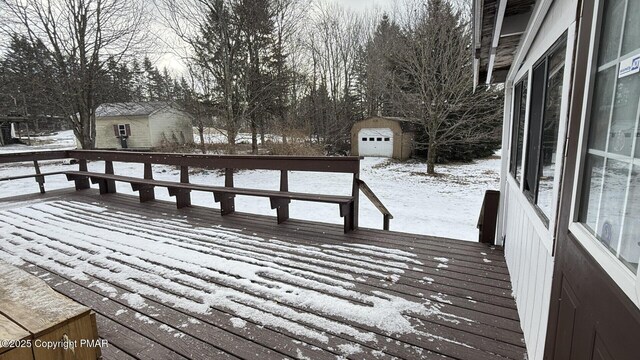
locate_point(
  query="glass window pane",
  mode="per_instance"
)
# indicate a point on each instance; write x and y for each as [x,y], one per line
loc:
[631,39]
[550,131]
[611,205]
[591,188]
[625,109]
[630,244]
[601,108]
[611,30]
[521,119]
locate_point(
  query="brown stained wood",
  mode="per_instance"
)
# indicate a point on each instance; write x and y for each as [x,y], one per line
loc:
[137,345]
[112,352]
[32,304]
[186,345]
[494,332]
[246,342]
[486,331]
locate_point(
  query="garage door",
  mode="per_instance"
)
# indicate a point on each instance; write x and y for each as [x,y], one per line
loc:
[375,142]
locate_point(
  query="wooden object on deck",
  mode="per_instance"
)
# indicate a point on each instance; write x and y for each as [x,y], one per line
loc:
[33,312]
[488,218]
[16,336]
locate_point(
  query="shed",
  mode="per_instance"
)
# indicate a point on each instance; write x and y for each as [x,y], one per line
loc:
[384,137]
[141,125]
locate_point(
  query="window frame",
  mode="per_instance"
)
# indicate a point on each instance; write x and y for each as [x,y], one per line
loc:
[122,130]
[563,42]
[516,151]
[621,274]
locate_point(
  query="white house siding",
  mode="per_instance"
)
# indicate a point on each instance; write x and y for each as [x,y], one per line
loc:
[169,123]
[106,138]
[528,242]
[531,268]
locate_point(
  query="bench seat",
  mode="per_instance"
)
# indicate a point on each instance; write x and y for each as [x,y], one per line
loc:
[27,176]
[279,199]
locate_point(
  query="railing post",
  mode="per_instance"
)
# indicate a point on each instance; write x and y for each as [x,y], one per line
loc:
[39,179]
[385,222]
[356,201]
[82,183]
[183,196]
[227,202]
[110,185]
[147,193]
[282,205]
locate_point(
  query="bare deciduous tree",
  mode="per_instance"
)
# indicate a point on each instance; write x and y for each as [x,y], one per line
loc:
[80,37]
[434,83]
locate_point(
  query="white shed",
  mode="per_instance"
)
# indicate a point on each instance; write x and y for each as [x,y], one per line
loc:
[141,125]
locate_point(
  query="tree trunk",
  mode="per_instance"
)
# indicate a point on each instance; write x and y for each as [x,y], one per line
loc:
[431,158]
[254,135]
[203,148]
[231,134]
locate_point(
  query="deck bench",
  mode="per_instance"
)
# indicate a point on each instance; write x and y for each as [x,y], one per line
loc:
[224,194]
[279,199]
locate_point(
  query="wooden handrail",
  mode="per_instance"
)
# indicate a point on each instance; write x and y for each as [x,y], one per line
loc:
[386,215]
[344,164]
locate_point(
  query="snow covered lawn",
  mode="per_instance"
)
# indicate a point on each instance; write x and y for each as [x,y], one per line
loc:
[447,205]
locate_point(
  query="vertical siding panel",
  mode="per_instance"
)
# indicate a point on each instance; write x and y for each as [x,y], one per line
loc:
[538,298]
[544,306]
[530,266]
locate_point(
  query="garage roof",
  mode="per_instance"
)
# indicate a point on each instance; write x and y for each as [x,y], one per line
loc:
[407,125]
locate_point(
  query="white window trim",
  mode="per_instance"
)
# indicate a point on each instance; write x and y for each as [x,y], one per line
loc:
[549,233]
[621,275]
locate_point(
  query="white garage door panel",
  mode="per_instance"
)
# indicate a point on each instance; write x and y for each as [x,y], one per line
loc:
[375,142]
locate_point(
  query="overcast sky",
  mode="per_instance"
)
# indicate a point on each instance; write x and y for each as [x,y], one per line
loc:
[361,5]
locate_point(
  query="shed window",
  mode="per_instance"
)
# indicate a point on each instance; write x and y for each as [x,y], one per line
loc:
[610,195]
[364,139]
[544,121]
[387,139]
[372,139]
[379,139]
[122,130]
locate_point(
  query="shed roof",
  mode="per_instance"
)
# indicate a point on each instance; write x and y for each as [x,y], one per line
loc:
[131,108]
[406,124]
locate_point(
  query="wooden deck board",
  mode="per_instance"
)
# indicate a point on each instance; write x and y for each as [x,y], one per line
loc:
[465,285]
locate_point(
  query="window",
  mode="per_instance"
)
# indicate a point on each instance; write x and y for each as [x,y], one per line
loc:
[544,121]
[387,139]
[372,139]
[122,130]
[517,132]
[379,139]
[610,195]
[364,139]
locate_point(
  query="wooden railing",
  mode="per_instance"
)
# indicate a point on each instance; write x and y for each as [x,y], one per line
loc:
[228,163]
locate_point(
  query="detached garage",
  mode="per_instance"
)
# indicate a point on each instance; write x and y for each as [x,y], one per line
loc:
[383,137]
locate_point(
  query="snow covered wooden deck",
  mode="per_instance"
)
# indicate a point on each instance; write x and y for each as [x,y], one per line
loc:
[190,284]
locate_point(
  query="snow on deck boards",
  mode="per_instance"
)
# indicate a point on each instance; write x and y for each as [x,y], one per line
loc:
[174,284]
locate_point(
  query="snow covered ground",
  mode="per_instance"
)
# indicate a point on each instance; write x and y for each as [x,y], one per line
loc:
[447,205]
